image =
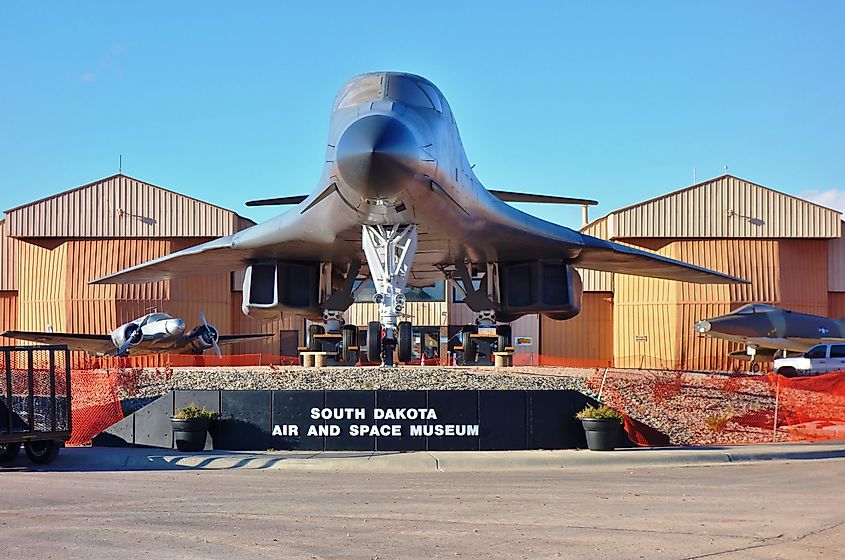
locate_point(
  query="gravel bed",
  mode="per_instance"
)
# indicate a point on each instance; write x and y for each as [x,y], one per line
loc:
[152,383]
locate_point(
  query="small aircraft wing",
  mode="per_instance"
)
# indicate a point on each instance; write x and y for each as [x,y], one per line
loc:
[91,343]
[600,254]
[233,338]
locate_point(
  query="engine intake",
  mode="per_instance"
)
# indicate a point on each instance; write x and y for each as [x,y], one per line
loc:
[276,286]
[548,287]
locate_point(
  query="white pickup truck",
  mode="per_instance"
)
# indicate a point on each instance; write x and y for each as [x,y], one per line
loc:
[821,358]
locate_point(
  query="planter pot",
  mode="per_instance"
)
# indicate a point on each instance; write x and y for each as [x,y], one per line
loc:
[189,435]
[602,433]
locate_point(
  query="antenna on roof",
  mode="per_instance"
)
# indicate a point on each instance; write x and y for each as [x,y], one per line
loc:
[120,163]
[726,170]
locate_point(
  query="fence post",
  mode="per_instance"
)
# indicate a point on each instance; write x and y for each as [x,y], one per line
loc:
[601,387]
[777,404]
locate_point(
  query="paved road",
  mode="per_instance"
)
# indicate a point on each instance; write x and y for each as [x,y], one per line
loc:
[761,510]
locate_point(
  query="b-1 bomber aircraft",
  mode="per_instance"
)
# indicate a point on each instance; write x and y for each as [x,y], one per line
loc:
[154,333]
[398,201]
[766,330]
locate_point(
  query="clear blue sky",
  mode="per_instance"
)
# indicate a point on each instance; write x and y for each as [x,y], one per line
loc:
[616,101]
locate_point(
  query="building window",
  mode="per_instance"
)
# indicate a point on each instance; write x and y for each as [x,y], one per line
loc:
[459,295]
[435,292]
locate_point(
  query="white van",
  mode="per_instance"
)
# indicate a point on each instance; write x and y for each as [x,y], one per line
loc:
[821,358]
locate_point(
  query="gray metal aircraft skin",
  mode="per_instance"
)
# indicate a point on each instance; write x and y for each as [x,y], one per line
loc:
[394,156]
[154,333]
[766,326]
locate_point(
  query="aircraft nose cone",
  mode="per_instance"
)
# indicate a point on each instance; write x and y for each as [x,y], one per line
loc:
[702,327]
[377,156]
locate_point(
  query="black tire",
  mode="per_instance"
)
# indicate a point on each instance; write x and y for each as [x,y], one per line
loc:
[787,371]
[755,367]
[313,343]
[504,337]
[405,343]
[43,451]
[374,341]
[470,349]
[9,452]
[348,338]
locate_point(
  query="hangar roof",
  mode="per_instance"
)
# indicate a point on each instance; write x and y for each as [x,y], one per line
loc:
[723,207]
[121,206]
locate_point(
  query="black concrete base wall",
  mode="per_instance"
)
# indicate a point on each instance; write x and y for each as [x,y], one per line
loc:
[505,420]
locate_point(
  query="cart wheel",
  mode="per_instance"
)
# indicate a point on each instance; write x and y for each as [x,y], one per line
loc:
[42,452]
[9,451]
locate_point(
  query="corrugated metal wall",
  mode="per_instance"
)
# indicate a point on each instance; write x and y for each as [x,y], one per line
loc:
[725,207]
[8,260]
[654,318]
[836,305]
[121,206]
[836,263]
[803,275]
[8,315]
[42,294]
[423,314]
[596,280]
[589,336]
[241,324]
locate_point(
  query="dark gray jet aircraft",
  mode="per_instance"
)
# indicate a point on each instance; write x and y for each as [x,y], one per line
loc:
[154,333]
[398,201]
[765,329]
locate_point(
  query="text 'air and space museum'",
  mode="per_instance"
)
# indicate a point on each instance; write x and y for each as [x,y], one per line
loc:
[791,250]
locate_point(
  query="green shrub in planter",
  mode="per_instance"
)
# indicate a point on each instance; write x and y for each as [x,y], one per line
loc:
[602,426]
[190,427]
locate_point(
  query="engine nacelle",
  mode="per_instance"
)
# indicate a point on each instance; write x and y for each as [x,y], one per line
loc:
[276,286]
[548,287]
[131,332]
[203,337]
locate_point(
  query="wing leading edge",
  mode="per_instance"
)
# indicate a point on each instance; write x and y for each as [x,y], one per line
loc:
[600,254]
[91,343]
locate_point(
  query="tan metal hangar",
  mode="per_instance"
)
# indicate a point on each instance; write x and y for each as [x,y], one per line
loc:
[791,249]
[51,248]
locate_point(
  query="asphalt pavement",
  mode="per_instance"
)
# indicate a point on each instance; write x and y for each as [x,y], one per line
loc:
[758,504]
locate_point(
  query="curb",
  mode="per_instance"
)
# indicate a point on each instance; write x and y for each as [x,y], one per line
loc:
[138,459]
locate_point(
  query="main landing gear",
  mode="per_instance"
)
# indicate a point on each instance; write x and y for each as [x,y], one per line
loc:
[481,342]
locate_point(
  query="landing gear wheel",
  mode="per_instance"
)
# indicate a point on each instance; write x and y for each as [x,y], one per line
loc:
[504,337]
[313,343]
[348,339]
[405,343]
[470,349]
[43,451]
[755,368]
[9,452]
[374,341]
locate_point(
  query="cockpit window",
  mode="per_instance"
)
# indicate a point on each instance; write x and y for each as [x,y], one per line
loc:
[755,308]
[153,317]
[359,90]
[412,92]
